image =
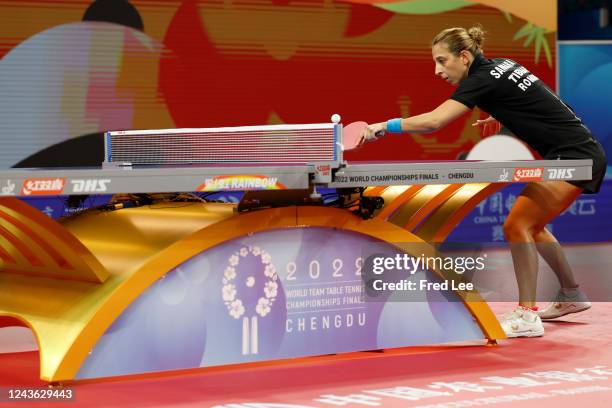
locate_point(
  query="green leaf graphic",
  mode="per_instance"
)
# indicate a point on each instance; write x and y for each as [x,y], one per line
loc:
[533,32]
[424,6]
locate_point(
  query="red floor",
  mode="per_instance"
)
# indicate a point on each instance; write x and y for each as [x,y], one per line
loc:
[570,366]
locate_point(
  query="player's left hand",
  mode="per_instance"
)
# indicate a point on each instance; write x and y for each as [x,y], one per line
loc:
[483,122]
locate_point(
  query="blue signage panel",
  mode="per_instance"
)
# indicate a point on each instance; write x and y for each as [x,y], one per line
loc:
[588,219]
[272,295]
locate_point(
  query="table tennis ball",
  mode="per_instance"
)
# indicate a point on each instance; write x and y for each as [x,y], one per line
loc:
[335,118]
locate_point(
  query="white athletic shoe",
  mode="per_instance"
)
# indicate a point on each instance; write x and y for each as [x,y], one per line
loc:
[564,304]
[522,322]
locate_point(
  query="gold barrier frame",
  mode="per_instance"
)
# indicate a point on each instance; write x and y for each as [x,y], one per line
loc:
[110,258]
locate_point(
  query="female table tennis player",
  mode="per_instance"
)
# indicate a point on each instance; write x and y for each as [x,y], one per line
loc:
[520,101]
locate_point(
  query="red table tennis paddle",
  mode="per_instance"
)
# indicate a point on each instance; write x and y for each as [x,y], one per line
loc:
[352,135]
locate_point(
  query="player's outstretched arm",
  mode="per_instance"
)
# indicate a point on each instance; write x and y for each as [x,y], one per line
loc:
[424,123]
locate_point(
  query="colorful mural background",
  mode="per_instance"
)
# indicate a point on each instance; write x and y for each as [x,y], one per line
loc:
[206,63]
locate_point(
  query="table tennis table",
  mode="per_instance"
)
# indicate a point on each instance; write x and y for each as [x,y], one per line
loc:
[175,285]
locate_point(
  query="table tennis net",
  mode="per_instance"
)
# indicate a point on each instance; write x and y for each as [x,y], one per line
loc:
[274,144]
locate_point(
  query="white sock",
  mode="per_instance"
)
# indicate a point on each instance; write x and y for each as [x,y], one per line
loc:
[570,292]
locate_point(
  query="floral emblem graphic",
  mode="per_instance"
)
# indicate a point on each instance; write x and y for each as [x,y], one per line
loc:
[233,280]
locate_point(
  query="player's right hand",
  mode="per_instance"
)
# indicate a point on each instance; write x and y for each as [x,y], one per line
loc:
[373,131]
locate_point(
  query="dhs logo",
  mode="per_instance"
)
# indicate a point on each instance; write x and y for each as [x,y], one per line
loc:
[561,174]
[90,185]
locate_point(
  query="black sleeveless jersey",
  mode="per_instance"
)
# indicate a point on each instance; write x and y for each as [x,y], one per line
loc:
[521,102]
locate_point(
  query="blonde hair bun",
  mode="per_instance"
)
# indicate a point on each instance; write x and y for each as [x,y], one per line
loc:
[477,34]
[458,39]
